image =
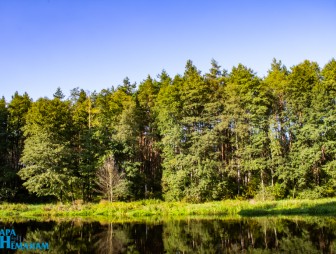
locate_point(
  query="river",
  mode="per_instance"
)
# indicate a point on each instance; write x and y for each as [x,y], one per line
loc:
[206,235]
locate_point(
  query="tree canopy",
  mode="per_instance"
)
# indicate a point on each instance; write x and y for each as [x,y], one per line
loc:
[193,137]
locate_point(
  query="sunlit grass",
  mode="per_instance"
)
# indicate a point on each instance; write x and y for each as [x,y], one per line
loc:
[160,209]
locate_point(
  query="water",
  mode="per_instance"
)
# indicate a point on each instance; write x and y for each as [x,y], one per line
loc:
[255,235]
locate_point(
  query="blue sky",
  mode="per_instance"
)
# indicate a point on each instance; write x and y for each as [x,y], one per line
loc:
[95,44]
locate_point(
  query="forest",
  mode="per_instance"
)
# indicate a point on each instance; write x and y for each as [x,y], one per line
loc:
[193,137]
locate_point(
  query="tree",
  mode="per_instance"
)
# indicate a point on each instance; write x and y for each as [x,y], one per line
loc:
[108,178]
[48,169]
[193,137]
[320,130]
[59,94]
[302,132]
[127,87]
[17,108]
[117,123]
[17,117]
[87,149]
[189,113]
[277,81]
[5,192]
[149,137]
[246,109]
[3,132]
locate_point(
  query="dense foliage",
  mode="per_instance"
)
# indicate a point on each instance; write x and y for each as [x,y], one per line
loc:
[192,137]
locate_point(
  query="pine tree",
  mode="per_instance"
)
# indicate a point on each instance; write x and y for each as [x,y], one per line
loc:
[302,81]
[59,94]
[149,137]
[277,80]
[188,116]
[17,117]
[5,191]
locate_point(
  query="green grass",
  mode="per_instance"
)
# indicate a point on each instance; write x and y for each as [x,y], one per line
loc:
[152,209]
[292,207]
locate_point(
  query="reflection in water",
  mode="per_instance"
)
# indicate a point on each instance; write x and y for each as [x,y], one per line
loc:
[256,235]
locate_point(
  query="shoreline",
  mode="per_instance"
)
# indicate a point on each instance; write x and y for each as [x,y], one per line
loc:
[157,209]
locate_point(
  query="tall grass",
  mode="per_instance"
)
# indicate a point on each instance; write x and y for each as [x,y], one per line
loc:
[160,209]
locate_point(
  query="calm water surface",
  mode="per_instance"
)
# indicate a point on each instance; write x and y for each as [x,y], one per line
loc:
[255,235]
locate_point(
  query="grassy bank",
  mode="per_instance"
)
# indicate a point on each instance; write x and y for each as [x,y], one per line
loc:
[159,209]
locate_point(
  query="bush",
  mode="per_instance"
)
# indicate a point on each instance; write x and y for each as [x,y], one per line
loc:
[317,192]
[122,191]
[274,192]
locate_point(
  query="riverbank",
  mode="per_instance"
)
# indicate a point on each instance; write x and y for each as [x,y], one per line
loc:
[159,209]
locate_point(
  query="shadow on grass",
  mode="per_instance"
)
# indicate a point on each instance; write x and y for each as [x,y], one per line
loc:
[328,208]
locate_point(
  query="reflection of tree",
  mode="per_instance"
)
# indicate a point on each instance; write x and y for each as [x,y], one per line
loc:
[298,245]
[130,238]
[79,237]
[254,235]
[203,236]
[260,235]
[64,237]
[112,240]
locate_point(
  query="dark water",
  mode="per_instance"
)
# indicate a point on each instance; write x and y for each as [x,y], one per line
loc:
[256,235]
